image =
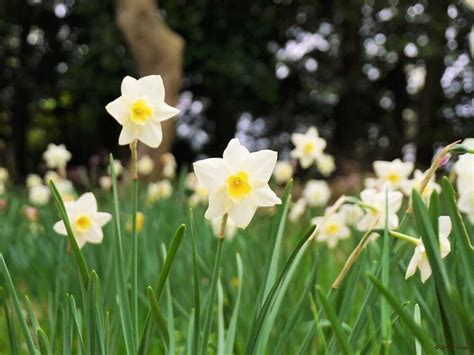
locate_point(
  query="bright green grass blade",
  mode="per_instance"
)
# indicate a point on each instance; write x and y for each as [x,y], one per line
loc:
[16,303]
[259,320]
[81,262]
[171,317]
[44,344]
[76,320]
[10,326]
[384,310]
[273,312]
[67,330]
[31,313]
[119,269]
[278,229]
[212,296]
[220,319]
[406,317]
[190,337]
[417,319]
[157,316]
[232,330]
[165,270]
[296,314]
[134,293]
[196,284]
[339,332]
[452,326]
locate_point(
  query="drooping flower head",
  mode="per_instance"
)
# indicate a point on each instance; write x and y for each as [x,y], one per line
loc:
[308,147]
[141,109]
[238,182]
[420,260]
[86,221]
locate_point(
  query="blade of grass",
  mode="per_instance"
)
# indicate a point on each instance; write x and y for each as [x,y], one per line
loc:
[16,303]
[10,326]
[417,319]
[197,291]
[158,317]
[384,310]
[134,297]
[258,321]
[44,344]
[231,331]
[220,319]
[339,332]
[81,262]
[406,317]
[120,275]
[212,296]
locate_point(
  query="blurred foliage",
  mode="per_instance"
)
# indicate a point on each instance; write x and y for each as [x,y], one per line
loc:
[257,69]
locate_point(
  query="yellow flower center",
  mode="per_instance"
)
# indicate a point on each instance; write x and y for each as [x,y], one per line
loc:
[394,178]
[140,112]
[332,228]
[308,148]
[82,223]
[238,185]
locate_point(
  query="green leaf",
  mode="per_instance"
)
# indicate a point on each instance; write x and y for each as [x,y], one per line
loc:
[16,303]
[157,316]
[341,336]
[11,328]
[197,291]
[231,331]
[260,318]
[406,317]
[44,344]
[81,262]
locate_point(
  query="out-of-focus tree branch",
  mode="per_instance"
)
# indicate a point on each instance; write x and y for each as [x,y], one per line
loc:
[156,49]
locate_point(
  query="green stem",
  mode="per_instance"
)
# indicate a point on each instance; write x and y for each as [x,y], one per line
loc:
[404,237]
[212,296]
[135,261]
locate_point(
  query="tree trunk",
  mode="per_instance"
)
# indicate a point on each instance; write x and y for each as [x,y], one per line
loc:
[156,50]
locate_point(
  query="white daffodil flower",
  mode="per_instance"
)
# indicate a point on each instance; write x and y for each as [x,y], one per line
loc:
[326,164]
[238,183]
[33,180]
[308,147]
[464,168]
[56,156]
[39,195]
[297,210]
[141,109]
[466,202]
[377,206]
[415,183]
[199,196]
[86,221]
[145,165]
[3,175]
[331,229]
[159,190]
[169,165]
[395,173]
[283,171]
[352,214]
[317,193]
[419,259]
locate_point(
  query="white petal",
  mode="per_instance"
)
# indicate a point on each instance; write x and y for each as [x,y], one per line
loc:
[242,213]
[366,222]
[395,200]
[265,197]
[444,225]
[425,268]
[212,173]
[129,133]
[119,110]
[262,163]
[86,203]
[129,88]
[411,269]
[102,218]
[235,155]
[94,235]
[219,204]
[80,242]
[444,247]
[60,228]
[165,111]
[381,167]
[306,161]
[152,87]
[151,135]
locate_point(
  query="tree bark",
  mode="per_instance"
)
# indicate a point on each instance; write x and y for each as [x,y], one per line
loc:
[156,50]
